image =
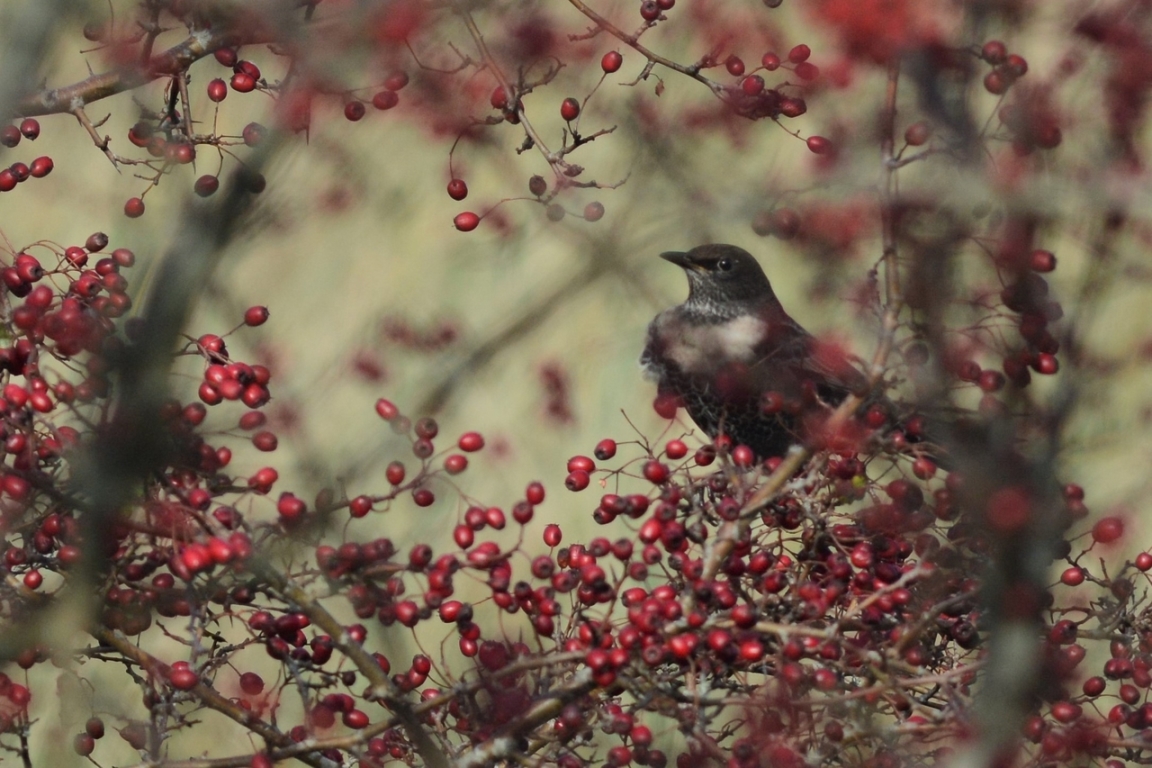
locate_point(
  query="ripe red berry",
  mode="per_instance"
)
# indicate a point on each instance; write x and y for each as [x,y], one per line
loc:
[1072,577]
[251,684]
[534,493]
[217,90]
[818,145]
[466,222]
[206,185]
[1143,561]
[649,10]
[924,468]
[994,51]
[1107,530]
[396,80]
[917,134]
[243,82]
[360,506]
[1046,364]
[735,65]
[457,189]
[134,208]
[655,472]
[41,167]
[807,71]
[385,100]
[354,110]
[83,744]
[752,85]
[552,535]
[611,61]
[605,449]
[1015,66]
[470,442]
[570,109]
[30,128]
[743,457]
[254,316]
[9,136]
[576,481]
[183,679]
[995,83]
[1042,261]
[799,54]
[770,62]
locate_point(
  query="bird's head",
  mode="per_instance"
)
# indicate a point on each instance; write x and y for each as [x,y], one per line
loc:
[722,279]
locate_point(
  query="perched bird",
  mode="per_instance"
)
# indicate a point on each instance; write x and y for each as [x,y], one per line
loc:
[736,361]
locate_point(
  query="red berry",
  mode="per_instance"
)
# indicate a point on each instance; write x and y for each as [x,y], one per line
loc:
[470,442]
[1042,261]
[605,449]
[206,185]
[183,679]
[576,481]
[611,61]
[1072,577]
[807,71]
[742,456]
[385,100]
[917,134]
[9,136]
[594,211]
[1107,530]
[387,410]
[1015,66]
[134,208]
[534,493]
[254,316]
[396,80]
[217,90]
[993,51]
[570,109]
[735,65]
[41,167]
[354,110]
[251,683]
[1046,364]
[818,145]
[83,744]
[30,127]
[655,472]
[649,10]
[243,83]
[799,54]
[995,83]
[924,468]
[770,62]
[552,535]
[457,189]
[466,222]
[1143,561]
[752,85]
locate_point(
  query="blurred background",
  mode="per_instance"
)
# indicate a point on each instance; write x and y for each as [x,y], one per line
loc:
[528,330]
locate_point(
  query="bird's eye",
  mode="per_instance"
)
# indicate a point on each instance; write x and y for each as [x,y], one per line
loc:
[724,265]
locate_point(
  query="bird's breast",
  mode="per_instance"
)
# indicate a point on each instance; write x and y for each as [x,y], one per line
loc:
[703,348]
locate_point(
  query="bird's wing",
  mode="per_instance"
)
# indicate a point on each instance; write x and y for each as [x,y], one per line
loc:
[789,356]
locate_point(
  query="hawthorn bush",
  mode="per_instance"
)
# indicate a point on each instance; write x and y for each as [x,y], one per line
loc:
[968,177]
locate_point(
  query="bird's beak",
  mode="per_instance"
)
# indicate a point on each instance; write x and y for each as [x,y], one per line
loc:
[682,260]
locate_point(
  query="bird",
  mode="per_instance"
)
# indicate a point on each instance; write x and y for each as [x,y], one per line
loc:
[737,361]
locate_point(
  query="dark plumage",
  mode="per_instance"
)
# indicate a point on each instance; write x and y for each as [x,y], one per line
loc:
[736,361]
